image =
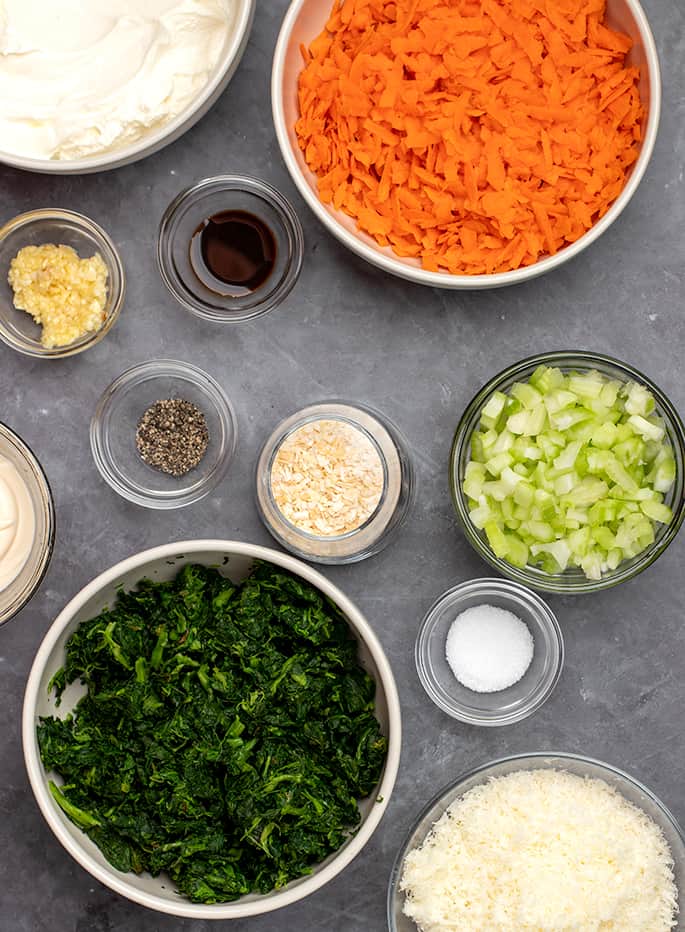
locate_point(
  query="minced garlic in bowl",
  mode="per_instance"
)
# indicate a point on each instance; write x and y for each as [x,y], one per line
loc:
[333,481]
[65,295]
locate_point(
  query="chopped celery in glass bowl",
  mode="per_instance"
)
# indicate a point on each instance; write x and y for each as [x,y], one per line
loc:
[567,472]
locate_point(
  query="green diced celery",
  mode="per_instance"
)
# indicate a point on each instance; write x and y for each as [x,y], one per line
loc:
[497,539]
[492,410]
[580,542]
[529,396]
[546,379]
[559,551]
[517,552]
[567,458]
[524,449]
[566,483]
[657,512]
[558,400]
[477,449]
[510,479]
[645,428]
[489,438]
[665,474]
[598,461]
[603,536]
[639,400]
[548,446]
[504,443]
[609,393]
[481,515]
[600,411]
[592,565]
[581,431]
[588,491]
[620,475]
[527,423]
[495,490]
[496,464]
[563,420]
[577,515]
[538,530]
[524,494]
[473,479]
[630,452]
[586,386]
[603,512]
[604,435]
[614,559]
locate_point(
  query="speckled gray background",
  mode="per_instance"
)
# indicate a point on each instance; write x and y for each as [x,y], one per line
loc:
[417,354]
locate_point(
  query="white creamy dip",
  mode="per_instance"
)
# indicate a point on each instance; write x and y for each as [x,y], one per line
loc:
[78,77]
[17,523]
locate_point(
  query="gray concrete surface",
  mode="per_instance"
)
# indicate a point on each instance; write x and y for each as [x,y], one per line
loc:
[419,355]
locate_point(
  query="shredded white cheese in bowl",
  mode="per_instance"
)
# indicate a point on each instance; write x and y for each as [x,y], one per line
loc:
[541,850]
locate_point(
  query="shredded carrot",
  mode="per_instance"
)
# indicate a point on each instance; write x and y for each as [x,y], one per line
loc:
[474,135]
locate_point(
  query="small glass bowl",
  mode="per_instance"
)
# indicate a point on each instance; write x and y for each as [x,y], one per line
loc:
[628,787]
[15,596]
[113,433]
[372,536]
[573,581]
[186,214]
[508,705]
[63,228]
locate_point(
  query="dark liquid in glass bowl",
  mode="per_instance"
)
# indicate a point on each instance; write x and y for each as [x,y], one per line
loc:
[233,253]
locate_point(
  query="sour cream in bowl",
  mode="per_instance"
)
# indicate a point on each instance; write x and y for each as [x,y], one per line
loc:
[87,85]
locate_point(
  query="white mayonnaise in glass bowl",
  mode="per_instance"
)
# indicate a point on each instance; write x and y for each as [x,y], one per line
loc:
[27,524]
[334,482]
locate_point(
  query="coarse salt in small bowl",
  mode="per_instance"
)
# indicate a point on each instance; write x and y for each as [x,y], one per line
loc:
[506,706]
[334,482]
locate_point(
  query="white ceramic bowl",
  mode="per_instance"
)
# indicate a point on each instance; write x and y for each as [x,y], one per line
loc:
[162,136]
[162,563]
[304,21]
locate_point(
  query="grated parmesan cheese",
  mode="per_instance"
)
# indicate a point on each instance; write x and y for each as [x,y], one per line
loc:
[542,851]
[63,293]
[327,478]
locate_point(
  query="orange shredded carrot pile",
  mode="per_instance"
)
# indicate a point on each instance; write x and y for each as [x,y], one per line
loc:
[474,135]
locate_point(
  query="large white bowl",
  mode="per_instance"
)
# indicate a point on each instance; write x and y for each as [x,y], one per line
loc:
[162,136]
[304,21]
[163,563]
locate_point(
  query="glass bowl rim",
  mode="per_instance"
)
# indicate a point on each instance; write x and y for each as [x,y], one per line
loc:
[115,267]
[288,218]
[210,389]
[22,598]
[528,576]
[538,607]
[482,769]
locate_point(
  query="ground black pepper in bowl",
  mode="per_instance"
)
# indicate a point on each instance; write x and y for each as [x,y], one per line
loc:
[172,436]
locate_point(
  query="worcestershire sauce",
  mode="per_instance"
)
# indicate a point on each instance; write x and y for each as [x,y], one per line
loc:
[233,253]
